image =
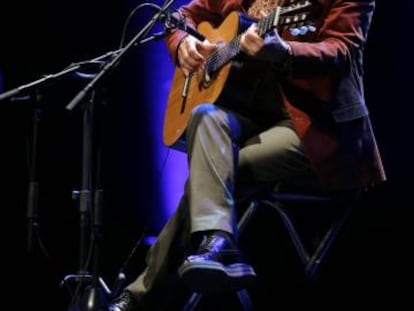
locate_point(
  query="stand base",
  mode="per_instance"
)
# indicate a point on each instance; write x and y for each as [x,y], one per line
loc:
[87,295]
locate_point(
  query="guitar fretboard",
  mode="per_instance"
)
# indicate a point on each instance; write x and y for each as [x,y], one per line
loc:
[277,17]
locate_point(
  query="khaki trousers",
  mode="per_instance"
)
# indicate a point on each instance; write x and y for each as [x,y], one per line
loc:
[229,157]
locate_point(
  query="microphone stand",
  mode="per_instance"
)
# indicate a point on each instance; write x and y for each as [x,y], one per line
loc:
[24,93]
[21,93]
[144,31]
[33,187]
[92,298]
[48,79]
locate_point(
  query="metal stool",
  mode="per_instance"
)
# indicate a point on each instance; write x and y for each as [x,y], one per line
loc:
[311,260]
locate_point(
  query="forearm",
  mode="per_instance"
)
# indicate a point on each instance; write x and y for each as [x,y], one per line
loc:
[195,12]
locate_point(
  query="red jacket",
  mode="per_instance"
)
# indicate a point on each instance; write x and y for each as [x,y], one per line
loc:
[322,89]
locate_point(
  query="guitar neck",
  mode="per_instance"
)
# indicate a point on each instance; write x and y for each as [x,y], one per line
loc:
[277,17]
[228,51]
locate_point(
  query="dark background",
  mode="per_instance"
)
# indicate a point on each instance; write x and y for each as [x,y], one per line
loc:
[371,260]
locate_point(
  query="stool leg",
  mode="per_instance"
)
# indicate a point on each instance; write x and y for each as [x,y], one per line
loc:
[303,254]
[192,303]
[247,216]
[325,244]
[242,295]
[245,300]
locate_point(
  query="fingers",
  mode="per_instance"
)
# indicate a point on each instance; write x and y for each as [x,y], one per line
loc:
[205,47]
[250,41]
[188,56]
[192,54]
[262,14]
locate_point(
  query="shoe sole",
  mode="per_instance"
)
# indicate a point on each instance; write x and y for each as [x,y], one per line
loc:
[211,276]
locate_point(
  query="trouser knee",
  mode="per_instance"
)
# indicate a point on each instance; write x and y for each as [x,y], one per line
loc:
[205,117]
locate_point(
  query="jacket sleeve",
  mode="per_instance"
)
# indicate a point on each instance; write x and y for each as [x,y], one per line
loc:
[196,11]
[341,32]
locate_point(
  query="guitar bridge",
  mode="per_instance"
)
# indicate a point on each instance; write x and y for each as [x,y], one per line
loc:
[184,92]
[186,86]
[206,79]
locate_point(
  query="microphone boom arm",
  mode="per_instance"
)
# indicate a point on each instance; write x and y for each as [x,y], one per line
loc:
[111,64]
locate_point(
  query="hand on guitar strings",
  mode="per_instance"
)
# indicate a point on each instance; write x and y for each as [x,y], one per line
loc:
[192,54]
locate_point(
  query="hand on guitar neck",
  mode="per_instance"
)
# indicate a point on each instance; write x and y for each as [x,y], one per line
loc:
[271,47]
[192,54]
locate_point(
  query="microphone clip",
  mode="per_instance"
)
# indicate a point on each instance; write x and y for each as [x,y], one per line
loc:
[171,21]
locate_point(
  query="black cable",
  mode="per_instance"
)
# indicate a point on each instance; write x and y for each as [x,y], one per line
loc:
[127,21]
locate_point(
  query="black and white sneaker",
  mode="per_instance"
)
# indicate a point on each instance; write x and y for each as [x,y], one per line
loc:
[125,302]
[218,266]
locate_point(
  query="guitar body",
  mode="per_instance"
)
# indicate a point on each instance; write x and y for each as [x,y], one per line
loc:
[227,79]
[179,107]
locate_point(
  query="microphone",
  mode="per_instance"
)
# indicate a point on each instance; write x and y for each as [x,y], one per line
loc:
[172,21]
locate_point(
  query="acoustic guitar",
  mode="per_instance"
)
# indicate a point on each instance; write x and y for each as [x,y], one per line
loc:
[207,86]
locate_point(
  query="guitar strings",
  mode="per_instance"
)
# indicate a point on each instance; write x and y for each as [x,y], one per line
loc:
[219,57]
[213,62]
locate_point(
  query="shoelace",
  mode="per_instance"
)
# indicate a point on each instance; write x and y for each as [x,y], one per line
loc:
[209,243]
[124,299]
